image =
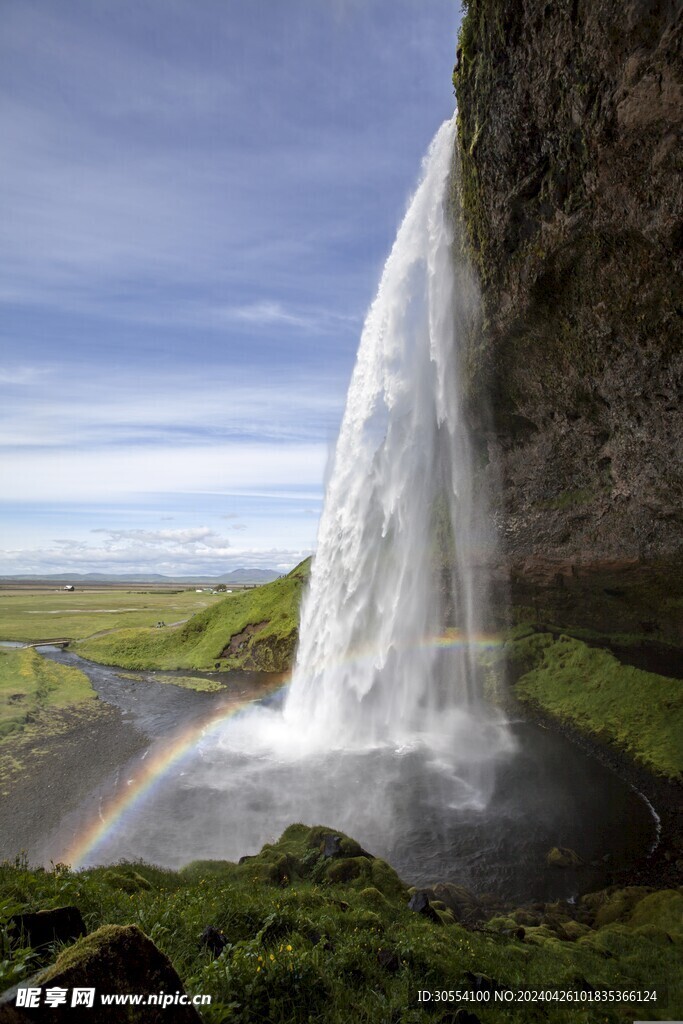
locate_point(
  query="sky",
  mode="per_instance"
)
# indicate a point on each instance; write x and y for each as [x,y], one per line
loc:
[197,197]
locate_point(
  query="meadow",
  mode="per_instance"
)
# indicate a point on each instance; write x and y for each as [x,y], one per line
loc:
[42,613]
[255,630]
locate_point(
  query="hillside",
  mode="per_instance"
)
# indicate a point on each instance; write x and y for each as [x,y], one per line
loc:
[569,160]
[256,630]
[315,928]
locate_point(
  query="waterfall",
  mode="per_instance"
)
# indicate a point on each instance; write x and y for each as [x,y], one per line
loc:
[384,733]
[369,669]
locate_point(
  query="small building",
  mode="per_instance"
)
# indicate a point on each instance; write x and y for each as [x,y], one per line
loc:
[68,586]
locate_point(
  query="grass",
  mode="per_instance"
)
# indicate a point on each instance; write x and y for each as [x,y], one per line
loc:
[203,641]
[32,615]
[30,684]
[197,683]
[588,687]
[304,944]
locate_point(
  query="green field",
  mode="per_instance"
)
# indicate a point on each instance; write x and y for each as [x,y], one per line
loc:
[40,614]
[30,684]
[254,629]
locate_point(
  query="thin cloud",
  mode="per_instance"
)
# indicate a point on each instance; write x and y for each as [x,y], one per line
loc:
[192,536]
[267,313]
[83,409]
[115,474]
[22,374]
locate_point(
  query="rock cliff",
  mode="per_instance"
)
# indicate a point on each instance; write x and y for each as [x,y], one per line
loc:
[570,117]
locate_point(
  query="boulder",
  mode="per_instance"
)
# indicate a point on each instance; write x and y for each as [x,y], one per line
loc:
[481,982]
[113,960]
[331,846]
[63,924]
[463,1016]
[463,904]
[563,857]
[214,940]
[419,904]
[388,960]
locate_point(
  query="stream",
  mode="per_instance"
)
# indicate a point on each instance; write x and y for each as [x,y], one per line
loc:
[211,796]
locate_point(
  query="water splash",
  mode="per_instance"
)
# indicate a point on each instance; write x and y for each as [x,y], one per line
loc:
[383,731]
[402,475]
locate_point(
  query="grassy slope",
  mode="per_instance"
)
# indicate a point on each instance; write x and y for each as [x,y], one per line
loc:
[200,642]
[588,687]
[30,684]
[40,615]
[311,938]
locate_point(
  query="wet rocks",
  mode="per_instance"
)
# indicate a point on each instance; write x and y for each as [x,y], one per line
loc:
[570,122]
[563,857]
[332,846]
[63,924]
[419,904]
[214,940]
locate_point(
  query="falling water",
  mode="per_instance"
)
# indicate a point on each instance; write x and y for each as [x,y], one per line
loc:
[366,671]
[384,734]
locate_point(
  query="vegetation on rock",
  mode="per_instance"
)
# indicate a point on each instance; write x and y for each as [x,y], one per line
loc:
[296,935]
[587,687]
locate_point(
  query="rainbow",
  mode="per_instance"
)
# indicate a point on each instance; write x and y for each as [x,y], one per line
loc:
[151,771]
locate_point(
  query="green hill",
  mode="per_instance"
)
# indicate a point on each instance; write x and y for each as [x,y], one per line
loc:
[255,630]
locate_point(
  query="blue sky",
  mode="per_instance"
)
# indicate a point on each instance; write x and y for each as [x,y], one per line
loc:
[198,197]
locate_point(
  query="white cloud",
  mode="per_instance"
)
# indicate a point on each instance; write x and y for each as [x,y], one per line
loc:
[145,555]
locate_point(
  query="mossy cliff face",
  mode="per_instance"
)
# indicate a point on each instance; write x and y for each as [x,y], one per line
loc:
[570,120]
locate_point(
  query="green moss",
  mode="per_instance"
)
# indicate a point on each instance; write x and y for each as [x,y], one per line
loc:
[563,857]
[127,880]
[569,499]
[662,910]
[261,623]
[641,712]
[30,684]
[316,950]
[348,869]
[372,898]
[386,880]
[87,949]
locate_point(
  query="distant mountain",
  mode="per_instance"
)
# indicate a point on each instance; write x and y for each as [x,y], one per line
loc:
[236,576]
[249,576]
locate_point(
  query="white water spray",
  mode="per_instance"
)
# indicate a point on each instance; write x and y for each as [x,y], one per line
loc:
[367,671]
[383,734]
